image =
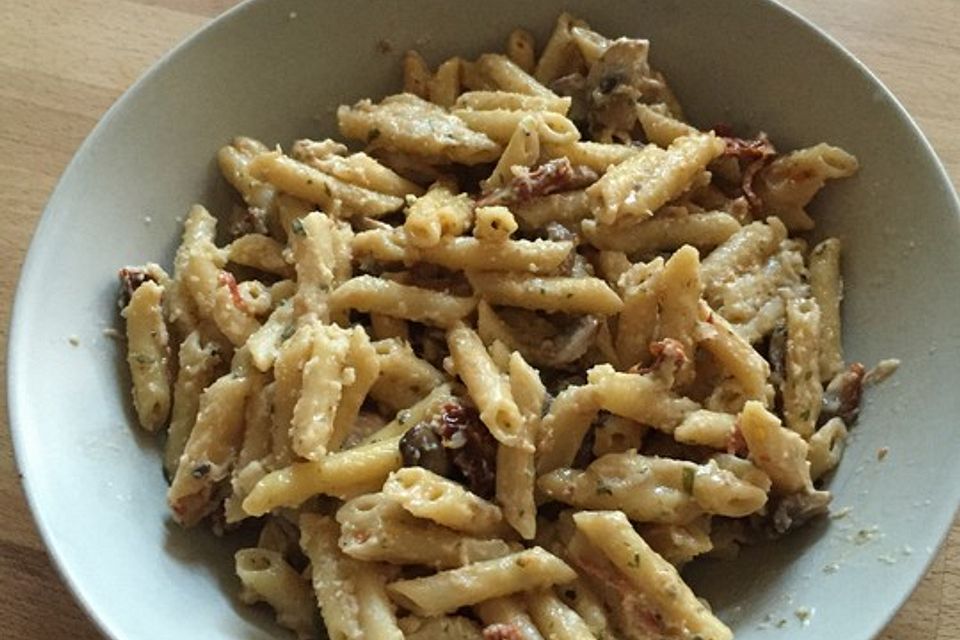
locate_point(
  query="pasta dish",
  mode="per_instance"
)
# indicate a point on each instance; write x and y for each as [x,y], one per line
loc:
[505,367]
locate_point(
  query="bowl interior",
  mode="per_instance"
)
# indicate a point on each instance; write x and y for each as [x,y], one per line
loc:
[277,70]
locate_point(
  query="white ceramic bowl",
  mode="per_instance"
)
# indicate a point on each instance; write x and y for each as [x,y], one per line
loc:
[276,69]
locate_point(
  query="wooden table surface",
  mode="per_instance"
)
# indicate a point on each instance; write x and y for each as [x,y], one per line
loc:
[63,62]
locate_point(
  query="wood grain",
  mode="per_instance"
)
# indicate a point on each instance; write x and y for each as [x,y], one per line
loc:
[63,62]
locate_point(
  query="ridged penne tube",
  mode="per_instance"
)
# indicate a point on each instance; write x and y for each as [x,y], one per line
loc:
[678,544]
[554,618]
[652,578]
[781,453]
[260,252]
[267,577]
[416,74]
[826,287]
[567,208]
[422,410]
[378,616]
[386,327]
[590,607]
[511,612]
[332,577]
[657,234]
[826,447]
[523,150]
[229,312]
[438,213]
[546,293]
[459,253]
[733,352]
[288,367]
[490,100]
[317,242]
[444,86]
[499,124]
[324,377]
[589,43]
[786,185]
[264,343]
[427,495]
[148,355]
[211,449]
[516,467]
[357,168]
[488,386]
[599,156]
[660,128]
[640,397]
[557,58]
[520,49]
[654,489]
[334,195]
[374,528]
[706,428]
[344,473]
[745,249]
[408,124]
[404,378]
[662,176]
[362,371]
[678,298]
[180,308]
[449,590]
[508,76]
[564,426]
[616,434]
[234,160]
[494,224]
[371,294]
[638,321]
[802,390]
[197,369]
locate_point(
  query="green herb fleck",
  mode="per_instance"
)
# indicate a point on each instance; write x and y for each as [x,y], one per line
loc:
[805,414]
[297,227]
[689,475]
[140,358]
[288,331]
[634,562]
[603,489]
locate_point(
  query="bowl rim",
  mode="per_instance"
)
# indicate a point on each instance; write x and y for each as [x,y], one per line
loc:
[17,353]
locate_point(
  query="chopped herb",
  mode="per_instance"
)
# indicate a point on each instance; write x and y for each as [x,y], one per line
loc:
[634,562]
[569,295]
[543,291]
[288,331]
[689,475]
[805,414]
[139,358]
[297,227]
[603,489]
[309,180]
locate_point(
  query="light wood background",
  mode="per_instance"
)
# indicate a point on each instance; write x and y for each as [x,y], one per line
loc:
[63,62]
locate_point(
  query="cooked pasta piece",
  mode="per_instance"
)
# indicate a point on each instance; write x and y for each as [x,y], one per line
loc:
[408,124]
[826,286]
[375,528]
[663,233]
[267,577]
[802,390]
[654,489]
[509,612]
[547,293]
[198,364]
[440,212]
[653,581]
[554,619]
[826,447]
[643,183]
[781,453]
[427,495]
[449,590]
[640,397]
[372,294]
[148,355]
